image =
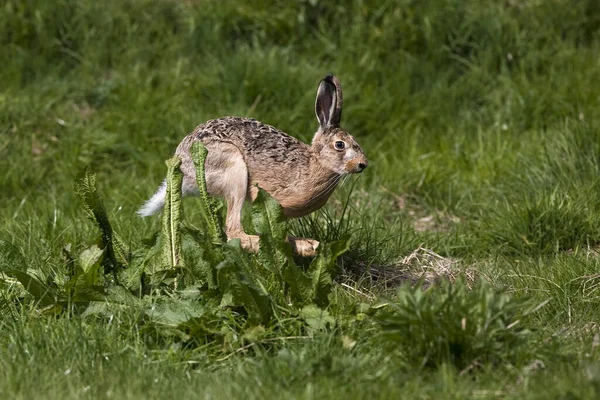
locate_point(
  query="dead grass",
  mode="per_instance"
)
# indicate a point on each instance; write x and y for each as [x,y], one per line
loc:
[420,266]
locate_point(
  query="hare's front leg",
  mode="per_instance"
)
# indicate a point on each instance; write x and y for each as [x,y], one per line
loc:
[303,247]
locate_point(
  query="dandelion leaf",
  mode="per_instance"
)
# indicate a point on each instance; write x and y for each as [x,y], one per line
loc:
[235,281]
[323,268]
[85,187]
[172,215]
[209,205]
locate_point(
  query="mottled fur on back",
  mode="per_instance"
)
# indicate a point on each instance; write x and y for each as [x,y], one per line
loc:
[268,152]
[244,154]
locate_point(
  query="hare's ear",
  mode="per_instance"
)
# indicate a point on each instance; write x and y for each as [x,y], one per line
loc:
[328,106]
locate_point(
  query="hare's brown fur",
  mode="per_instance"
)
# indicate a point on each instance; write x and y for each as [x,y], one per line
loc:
[244,153]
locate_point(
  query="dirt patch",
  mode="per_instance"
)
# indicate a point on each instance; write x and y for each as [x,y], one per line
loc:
[420,266]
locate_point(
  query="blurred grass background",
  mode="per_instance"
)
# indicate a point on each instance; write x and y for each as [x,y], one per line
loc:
[479,119]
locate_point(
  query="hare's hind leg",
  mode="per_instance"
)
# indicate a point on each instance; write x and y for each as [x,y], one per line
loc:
[227,176]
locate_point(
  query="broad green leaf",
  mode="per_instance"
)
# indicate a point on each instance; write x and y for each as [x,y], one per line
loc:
[166,277]
[299,283]
[270,224]
[85,293]
[119,294]
[85,282]
[90,257]
[267,216]
[172,215]
[234,279]
[44,294]
[183,319]
[201,256]
[209,206]
[173,313]
[120,249]
[90,265]
[116,250]
[152,261]
[316,318]
[130,277]
[114,298]
[323,269]
[275,253]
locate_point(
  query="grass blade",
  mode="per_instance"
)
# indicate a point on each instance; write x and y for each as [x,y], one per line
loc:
[11,257]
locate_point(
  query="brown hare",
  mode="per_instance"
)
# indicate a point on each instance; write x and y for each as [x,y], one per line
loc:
[244,153]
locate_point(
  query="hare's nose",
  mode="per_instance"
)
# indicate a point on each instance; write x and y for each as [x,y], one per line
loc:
[362,166]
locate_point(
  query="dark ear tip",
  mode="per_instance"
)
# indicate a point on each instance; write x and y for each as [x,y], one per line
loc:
[331,78]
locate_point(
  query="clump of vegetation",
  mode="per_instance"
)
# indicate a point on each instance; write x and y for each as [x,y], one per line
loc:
[183,261]
[456,324]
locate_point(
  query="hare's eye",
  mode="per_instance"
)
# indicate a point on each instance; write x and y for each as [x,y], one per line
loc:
[339,145]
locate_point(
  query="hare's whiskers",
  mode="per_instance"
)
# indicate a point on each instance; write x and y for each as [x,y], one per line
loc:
[346,177]
[331,183]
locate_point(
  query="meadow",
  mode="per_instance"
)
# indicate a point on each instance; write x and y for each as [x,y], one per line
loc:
[463,263]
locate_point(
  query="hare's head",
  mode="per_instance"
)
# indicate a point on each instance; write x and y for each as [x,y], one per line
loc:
[335,148]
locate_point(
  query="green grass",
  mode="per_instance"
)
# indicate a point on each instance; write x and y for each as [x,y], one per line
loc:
[479,119]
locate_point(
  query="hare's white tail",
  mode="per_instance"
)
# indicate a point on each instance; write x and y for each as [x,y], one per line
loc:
[155,203]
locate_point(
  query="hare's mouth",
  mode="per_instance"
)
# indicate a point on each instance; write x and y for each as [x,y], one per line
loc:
[356,167]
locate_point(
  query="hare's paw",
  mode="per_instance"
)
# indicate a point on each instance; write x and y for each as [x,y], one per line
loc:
[304,247]
[249,242]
